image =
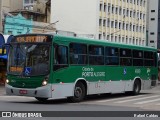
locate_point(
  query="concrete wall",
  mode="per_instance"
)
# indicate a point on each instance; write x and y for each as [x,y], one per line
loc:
[153,24]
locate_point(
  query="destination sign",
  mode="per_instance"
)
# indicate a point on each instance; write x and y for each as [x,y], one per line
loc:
[32,39]
[16,69]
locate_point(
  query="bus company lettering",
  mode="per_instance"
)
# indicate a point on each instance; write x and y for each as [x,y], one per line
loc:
[138,71]
[89,72]
[16,69]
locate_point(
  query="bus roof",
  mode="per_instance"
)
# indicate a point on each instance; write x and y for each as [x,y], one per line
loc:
[102,42]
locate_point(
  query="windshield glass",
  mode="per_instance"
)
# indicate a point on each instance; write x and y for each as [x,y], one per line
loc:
[29,59]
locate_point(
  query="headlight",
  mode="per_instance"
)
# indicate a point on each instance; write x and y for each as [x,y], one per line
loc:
[45,82]
[7,81]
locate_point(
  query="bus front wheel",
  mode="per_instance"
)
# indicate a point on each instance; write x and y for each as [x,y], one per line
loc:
[41,99]
[79,93]
[136,87]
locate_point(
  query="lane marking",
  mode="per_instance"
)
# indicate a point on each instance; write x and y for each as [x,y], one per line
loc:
[112,99]
[137,99]
[148,101]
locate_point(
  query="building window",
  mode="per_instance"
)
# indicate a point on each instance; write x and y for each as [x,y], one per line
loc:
[130,13]
[100,22]
[112,24]
[115,24]
[137,2]
[26,1]
[130,27]
[140,2]
[124,12]
[119,25]
[140,29]
[109,7]
[123,26]
[137,28]
[104,23]
[120,10]
[134,1]
[143,16]
[144,3]
[152,19]
[116,10]
[100,7]
[127,12]
[112,9]
[108,22]
[104,7]
[140,15]
[152,10]
[126,26]
[133,27]
[10,32]
[152,41]
[100,36]
[151,33]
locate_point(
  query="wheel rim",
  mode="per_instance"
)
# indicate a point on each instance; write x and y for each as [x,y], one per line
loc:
[78,92]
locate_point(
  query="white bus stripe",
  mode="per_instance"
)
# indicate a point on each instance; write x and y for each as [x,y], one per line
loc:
[120,98]
[148,101]
[137,99]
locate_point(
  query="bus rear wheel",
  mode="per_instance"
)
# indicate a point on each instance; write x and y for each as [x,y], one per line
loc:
[79,93]
[136,87]
[41,99]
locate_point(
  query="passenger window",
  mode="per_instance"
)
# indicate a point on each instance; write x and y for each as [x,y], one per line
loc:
[96,55]
[60,57]
[111,56]
[137,58]
[125,57]
[78,54]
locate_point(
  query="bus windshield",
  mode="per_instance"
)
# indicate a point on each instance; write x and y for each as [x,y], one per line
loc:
[29,59]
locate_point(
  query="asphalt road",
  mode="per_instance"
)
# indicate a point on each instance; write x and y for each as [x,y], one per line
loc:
[148,100]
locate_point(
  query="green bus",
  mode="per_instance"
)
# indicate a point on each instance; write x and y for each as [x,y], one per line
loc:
[48,66]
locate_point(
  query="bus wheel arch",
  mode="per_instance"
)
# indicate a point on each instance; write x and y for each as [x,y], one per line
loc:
[136,86]
[79,92]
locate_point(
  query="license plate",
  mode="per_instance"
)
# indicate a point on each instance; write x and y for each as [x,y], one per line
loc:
[23,91]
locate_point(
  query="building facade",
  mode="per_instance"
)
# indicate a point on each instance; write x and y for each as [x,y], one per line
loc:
[15,25]
[7,6]
[153,26]
[28,4]
[114,20]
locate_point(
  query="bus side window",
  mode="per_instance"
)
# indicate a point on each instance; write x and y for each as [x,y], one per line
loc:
[78,53]
[60,57]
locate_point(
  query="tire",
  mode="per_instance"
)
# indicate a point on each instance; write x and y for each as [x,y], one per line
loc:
[79,93]
[136,87]
[41,99]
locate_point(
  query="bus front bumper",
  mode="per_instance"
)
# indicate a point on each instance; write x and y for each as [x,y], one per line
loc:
[44,91]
